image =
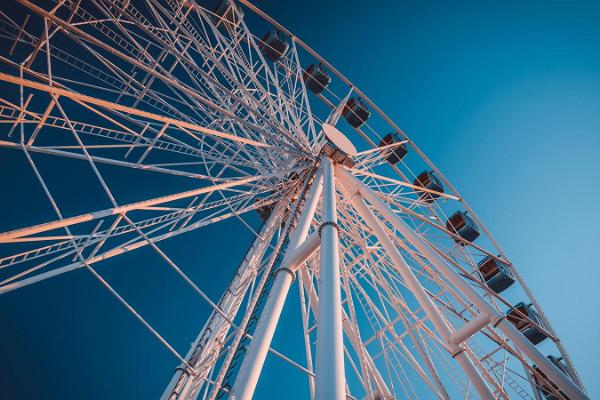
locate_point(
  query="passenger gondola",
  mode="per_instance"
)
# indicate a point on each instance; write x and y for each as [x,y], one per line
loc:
[526,319]
[356,112]
[273,45]
[226,15]
[428,180]
[463,225]
[497,275]
[547,388]
[396,153]
[316,78]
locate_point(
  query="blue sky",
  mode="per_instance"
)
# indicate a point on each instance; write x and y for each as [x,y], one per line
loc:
[505,99]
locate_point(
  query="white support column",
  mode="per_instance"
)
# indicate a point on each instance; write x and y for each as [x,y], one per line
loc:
[413,284]
[247,378]
[496,318]
[470,328]
[205,349]
[330,375]
[299,248]
[348,330]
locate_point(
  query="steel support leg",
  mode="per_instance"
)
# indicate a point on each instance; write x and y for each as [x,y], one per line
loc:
[330,376]
[518,339]
[249,373]
[413,284]
[205,349]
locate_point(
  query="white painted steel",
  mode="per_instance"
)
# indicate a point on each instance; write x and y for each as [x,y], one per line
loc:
[171,89]
[563,382]
[354,194]
[205,349]
[247,378]
[470,328]
[298,250]
[330,376]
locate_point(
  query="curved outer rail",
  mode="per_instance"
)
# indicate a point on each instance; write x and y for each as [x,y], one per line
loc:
[466,205]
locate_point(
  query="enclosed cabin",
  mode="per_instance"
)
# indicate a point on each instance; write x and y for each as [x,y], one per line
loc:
[527,320]
[396,153]
[316,78]
[464,226]
[356,112]
[429,181]
[273,45]
[546,387]
[226,15]
[496,274]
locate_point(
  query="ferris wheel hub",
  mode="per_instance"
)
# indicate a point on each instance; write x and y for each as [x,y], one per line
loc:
[337,146]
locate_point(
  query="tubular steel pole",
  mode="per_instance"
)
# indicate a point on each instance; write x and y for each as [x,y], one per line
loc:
[330,376]
[247,378]
[417,290]
[348,330]
[249,373]
[495,318]
[205,350]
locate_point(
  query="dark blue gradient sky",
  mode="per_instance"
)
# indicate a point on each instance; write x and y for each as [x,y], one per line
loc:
[504,98]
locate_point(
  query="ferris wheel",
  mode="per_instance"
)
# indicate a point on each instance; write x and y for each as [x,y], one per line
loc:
[403,291]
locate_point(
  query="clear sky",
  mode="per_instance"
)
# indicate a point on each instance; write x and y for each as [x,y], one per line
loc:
[505,99]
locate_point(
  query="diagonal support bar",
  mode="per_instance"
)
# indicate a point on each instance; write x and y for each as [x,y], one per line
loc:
[434,315]
[204,351]
[298,250]
[61,223]
[498,320]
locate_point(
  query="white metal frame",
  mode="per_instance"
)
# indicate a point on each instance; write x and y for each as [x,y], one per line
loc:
[392,302]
